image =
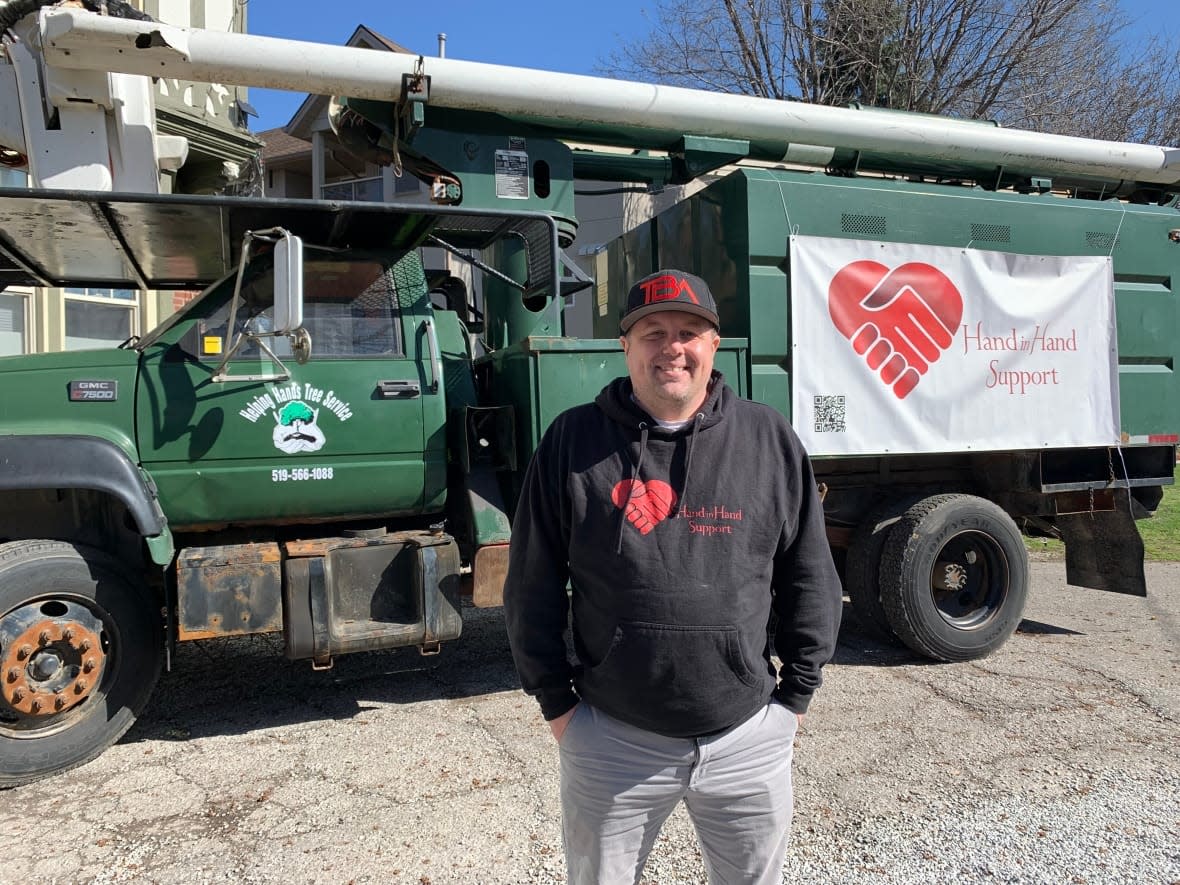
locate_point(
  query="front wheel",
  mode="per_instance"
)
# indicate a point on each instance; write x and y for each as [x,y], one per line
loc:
[80,651]
[954,577]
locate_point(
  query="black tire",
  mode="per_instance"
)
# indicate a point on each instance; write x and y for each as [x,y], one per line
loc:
[954,577]
[79,640]
[863,567]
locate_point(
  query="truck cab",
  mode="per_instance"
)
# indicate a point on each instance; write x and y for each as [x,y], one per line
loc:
[280,456]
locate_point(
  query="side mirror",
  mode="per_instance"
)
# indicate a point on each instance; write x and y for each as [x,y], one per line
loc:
[288,306]
[288,290]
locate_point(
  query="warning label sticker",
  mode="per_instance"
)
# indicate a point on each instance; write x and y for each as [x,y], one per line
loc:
[512,175]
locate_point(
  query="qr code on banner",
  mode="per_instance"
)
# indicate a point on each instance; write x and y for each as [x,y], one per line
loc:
[829,414]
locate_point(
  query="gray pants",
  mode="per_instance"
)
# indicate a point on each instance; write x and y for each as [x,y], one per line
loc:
[619,784]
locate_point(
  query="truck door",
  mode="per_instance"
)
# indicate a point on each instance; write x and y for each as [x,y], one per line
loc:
[353,433]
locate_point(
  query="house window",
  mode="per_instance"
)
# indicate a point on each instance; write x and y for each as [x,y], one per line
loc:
[13,177]
[99,317]
[366,190]
[13,323]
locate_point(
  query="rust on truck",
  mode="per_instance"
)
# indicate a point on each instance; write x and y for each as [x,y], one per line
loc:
[230,590]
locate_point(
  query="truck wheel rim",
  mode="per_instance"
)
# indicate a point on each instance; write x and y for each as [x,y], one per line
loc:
[53,656]
[969,580]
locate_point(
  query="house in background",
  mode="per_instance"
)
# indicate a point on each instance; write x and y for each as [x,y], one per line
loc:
[223,157]
[304,159]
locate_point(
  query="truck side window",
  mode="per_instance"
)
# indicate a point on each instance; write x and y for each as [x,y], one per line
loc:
[349,309]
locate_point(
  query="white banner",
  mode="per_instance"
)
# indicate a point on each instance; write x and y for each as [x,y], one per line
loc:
[910,348]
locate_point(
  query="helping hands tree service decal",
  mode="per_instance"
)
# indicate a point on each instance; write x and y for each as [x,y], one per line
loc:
[296,409]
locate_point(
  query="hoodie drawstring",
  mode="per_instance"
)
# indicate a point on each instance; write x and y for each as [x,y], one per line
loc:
[692,447]
[634,483]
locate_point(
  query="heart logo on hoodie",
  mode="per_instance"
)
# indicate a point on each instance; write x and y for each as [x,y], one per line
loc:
[646,504]
[900,319]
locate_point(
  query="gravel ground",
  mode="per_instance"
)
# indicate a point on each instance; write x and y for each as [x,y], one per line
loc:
[1056,760]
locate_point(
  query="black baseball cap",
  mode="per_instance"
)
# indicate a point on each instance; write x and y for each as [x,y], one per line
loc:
[669,290]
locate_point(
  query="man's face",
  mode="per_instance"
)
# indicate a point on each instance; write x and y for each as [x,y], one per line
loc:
[670,358]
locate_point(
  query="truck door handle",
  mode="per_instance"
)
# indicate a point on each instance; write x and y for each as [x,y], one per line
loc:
[398,389]
[436,368]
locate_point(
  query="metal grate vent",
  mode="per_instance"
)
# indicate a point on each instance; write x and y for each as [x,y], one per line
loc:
[1100,240]
[408,281]
[479,231]
[863,224]
[991,233]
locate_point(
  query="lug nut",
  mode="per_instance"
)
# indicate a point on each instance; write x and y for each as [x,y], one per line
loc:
[18,696]
[13,674]
[85,646]
[59,702]
[81,686]
[67,634]
[36,706]
[88,665]
[44,637]
[23,652]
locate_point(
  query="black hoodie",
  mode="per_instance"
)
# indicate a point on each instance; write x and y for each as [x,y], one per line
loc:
[675,544]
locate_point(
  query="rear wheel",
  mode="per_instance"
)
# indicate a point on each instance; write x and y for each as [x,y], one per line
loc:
[863,567]
[80,651]
[954,577]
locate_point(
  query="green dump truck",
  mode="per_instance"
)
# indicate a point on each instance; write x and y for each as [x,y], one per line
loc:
[326,443]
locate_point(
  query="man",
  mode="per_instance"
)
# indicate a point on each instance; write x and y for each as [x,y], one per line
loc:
[679,515]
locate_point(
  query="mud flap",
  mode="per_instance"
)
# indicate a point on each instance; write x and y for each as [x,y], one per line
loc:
[489,572]
[1103,549]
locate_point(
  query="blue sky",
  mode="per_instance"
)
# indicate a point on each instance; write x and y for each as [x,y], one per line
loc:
[526,33]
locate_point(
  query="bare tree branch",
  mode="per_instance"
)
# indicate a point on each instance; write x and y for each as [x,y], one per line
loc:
[1053,65]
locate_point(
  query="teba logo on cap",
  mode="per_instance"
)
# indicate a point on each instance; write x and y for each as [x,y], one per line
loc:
[667,287]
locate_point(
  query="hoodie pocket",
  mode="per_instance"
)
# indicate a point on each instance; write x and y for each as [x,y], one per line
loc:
[674,679]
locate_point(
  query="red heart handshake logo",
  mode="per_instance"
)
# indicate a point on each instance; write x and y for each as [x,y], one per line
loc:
[900,320]
[646,504]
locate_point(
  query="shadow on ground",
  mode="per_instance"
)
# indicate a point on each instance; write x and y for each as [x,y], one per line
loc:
[233,686]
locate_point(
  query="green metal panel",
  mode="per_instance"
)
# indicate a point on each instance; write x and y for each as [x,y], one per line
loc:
[769,302]
[455,350]
[35,395]
[508,172]
[509,317]
[676,237]
[413,300]
[721,256]
[630,257]
[475,496]
[35,400]
[1146,274]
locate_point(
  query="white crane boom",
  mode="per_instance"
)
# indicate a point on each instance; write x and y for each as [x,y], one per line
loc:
[586,108]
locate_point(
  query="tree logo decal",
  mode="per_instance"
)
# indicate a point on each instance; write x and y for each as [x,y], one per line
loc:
[297,429]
